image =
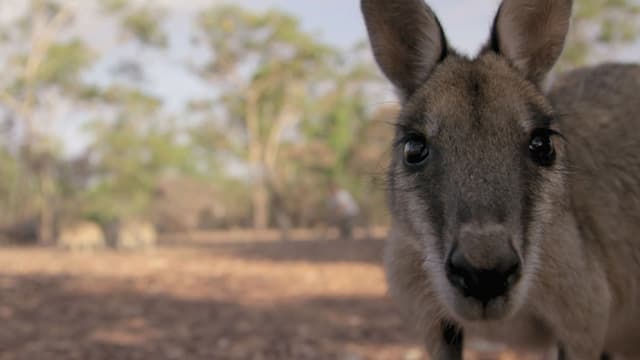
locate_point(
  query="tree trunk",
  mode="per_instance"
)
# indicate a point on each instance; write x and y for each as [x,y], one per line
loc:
[260,195]
[46,223]
[260,201]
[45,226]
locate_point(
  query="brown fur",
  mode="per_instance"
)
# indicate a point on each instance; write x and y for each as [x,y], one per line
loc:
[522,26]
[573,224]
[392,19]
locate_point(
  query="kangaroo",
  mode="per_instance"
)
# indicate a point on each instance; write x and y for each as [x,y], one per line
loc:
[515,210]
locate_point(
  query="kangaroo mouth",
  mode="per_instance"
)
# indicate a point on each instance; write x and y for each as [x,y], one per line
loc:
[472,309]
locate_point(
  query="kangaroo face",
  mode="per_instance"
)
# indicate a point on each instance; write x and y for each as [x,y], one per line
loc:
[475,176]
[477,169]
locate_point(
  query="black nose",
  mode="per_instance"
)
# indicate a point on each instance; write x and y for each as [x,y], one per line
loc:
[483,284]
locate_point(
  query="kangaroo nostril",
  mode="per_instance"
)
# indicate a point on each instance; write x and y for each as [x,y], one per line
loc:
[513,273]
[460,273]
[482,284]
[456,275]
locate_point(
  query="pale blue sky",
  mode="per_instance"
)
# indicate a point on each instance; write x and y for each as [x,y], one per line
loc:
[466,22]
[339,21]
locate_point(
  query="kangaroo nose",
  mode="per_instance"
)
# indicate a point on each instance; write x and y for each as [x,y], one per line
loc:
[481,283]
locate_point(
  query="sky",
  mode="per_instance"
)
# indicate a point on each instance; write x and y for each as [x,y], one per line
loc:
[466,22]
[339,21]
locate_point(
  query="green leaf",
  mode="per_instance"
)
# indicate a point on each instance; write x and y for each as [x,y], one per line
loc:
[146,25]
[64,62]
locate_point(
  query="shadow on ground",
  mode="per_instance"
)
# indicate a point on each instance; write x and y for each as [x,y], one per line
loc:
[49,317]
[363,250]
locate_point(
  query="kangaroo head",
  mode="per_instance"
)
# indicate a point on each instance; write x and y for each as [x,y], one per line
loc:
[477,166]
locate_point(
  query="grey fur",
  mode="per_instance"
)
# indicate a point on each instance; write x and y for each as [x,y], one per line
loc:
[574,224]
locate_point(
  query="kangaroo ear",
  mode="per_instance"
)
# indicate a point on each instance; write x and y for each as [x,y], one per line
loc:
[531,34]
[407,40]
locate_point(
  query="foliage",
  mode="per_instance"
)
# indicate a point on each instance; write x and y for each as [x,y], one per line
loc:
[130,154]
[114,5]
[600,27]
[288,113]
[144,25]
[130,157]
[299,93]
[64,62]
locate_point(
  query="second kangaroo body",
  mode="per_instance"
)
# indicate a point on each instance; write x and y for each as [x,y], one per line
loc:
[516,212]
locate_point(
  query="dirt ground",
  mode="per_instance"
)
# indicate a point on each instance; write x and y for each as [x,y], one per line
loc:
[203,296]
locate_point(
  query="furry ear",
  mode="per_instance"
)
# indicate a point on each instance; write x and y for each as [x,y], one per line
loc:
[531,34]
[407,40]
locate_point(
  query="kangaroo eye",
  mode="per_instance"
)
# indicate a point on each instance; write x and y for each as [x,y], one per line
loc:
[416,150]
[541,148]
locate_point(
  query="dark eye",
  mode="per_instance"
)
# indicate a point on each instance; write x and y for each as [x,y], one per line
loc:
[416,150]
[541,147]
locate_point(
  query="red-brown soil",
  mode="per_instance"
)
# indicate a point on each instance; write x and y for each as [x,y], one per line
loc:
[203,296]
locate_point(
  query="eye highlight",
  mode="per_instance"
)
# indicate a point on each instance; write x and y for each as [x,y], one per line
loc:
[415,150]
[541,147]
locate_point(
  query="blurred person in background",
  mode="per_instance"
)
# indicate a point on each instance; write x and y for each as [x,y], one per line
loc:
[281,215]
[343,210]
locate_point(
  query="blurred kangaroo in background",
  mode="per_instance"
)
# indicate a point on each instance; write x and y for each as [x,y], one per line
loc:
[516,212]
